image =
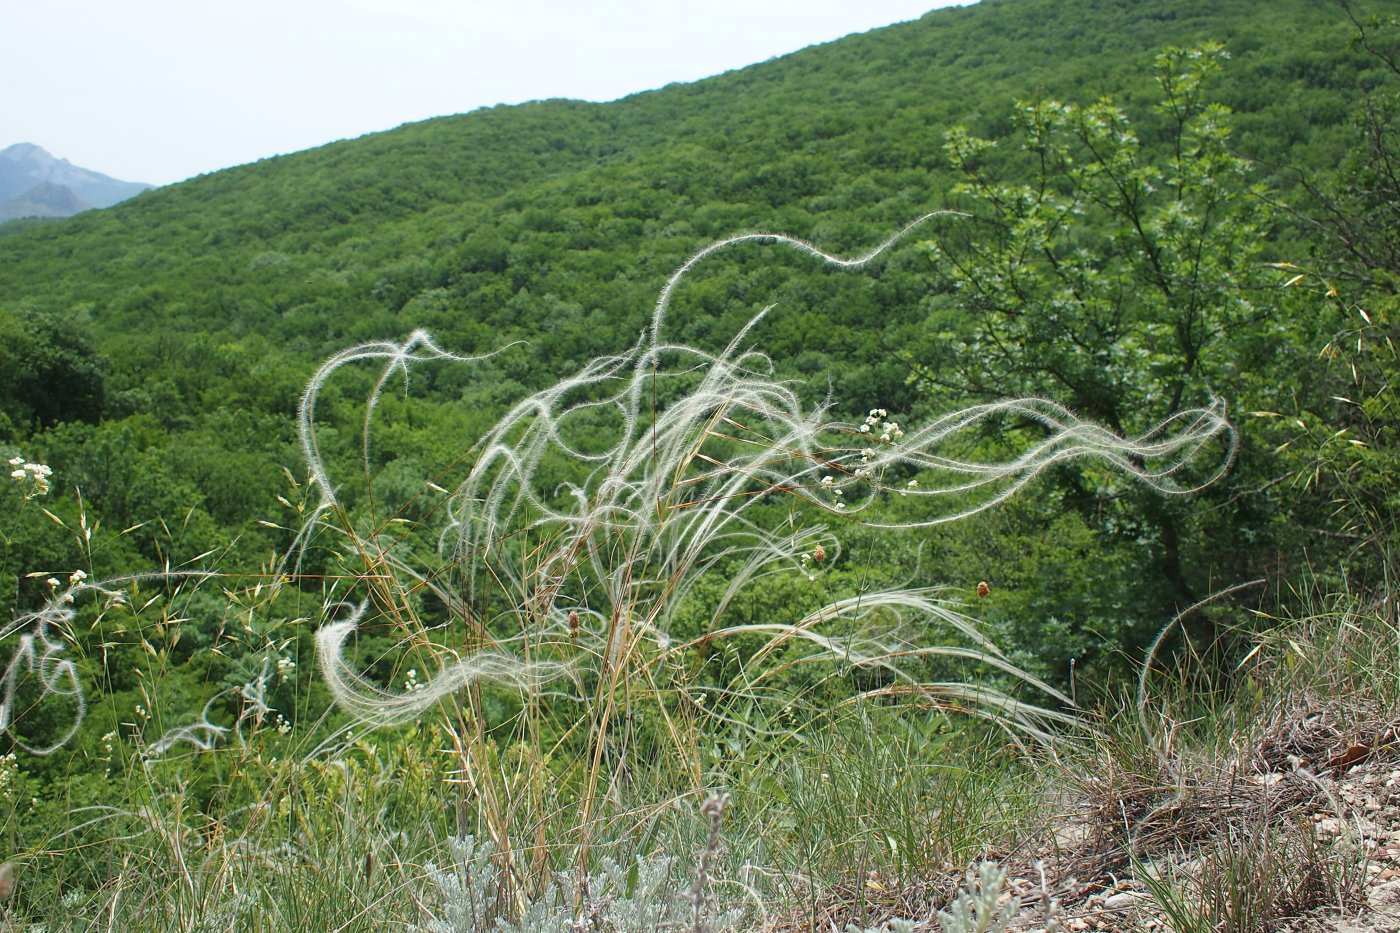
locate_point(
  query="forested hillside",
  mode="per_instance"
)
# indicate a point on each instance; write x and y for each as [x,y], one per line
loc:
[1138,209]
[194,316]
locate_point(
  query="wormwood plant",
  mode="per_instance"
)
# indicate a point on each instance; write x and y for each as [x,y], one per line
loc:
[650,894]
[568,555]
[978,908]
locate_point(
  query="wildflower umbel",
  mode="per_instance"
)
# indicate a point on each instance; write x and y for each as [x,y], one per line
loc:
[878,425]
[34,477]
[9,771]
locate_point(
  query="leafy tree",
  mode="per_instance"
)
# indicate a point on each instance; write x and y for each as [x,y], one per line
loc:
[1106,278]
[1348,431]
[50,370]
[1359,210]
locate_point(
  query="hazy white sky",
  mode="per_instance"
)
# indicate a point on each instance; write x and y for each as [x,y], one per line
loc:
[160,90]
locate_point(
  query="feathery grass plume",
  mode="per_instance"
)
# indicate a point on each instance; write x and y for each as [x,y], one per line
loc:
[202,735]
[38,668]
[38,656]
[581,578]
[377,707]
[1158,742]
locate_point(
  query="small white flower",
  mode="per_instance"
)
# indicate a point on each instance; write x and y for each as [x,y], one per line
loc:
[912,484]
[9,772]
[285,668]
[52,582]
[76,577]
[35,475]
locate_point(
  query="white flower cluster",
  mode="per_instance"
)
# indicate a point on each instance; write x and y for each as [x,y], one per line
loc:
[829,484]
[286,667]
[878,425]
[33,476]
[9,770]
[75,583]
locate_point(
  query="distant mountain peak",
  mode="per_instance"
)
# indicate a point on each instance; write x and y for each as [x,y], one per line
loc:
[23,151]
[31,178]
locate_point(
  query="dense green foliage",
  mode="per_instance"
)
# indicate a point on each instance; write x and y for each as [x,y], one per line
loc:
[1146,220]
[210,302]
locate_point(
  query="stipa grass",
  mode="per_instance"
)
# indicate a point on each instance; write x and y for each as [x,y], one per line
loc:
[625,594]
[579,590]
